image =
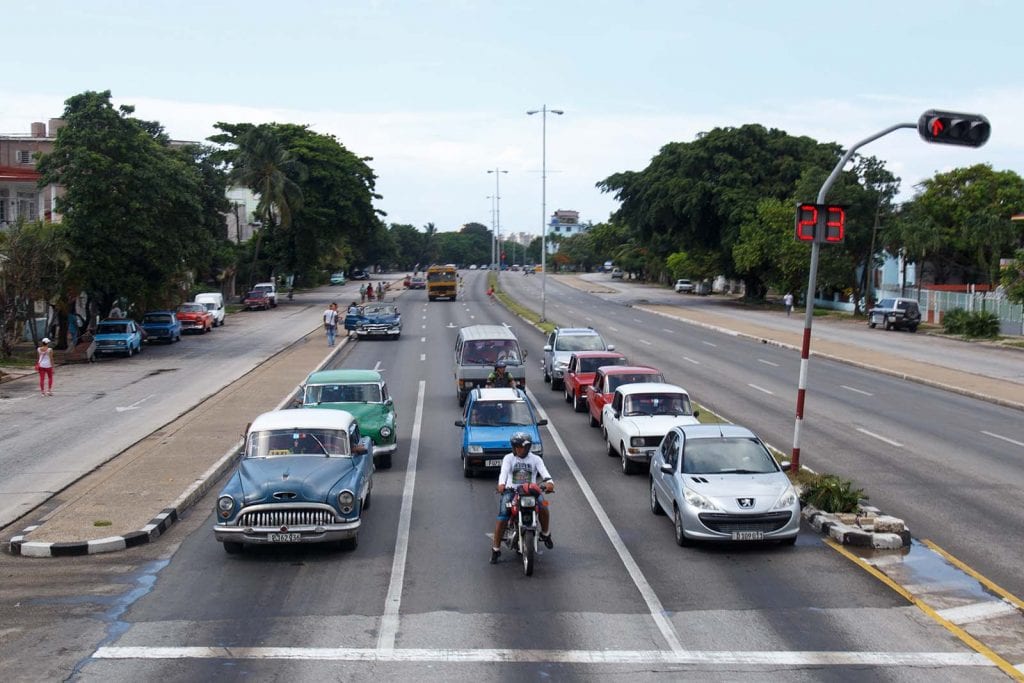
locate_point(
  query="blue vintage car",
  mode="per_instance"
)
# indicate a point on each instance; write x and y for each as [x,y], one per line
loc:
[305,477]
[491,417]
[364,394]
[161,326]
[118,335]
[375,320]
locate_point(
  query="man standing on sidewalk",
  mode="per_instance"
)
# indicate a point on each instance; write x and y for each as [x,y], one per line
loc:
[331,323]
[787,301]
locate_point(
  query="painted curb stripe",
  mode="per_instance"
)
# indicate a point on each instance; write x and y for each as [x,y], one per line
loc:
[1001,592]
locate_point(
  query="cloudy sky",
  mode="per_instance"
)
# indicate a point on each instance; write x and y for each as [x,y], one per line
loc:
[437,92]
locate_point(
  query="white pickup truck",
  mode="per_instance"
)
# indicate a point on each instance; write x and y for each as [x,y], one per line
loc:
[639,416]
[270,288]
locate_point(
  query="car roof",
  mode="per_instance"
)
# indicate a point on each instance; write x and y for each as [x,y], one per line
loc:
[343,376]
[629,369]
[159,311]
[577,330]
[302,419]
[116,320]
[713,431]
[496,394]
[478,332]
[650,388]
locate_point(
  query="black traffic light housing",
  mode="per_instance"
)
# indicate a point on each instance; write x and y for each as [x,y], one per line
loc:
[822,223]
[954,128]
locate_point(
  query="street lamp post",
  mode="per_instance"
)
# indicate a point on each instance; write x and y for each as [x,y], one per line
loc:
[494,232]
[497,213]
[543,111]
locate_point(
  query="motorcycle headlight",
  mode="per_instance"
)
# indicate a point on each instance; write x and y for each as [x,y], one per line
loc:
[528,502]
[697,500]
[385,431]
[475,449]
[346,501]
[786,500]
[636,441]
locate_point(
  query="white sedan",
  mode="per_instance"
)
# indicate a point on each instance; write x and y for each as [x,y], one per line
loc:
[684,286]
[639,416]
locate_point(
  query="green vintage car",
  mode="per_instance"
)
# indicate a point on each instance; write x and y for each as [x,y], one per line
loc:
[364,394]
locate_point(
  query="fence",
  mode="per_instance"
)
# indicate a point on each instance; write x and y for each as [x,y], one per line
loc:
[935,303]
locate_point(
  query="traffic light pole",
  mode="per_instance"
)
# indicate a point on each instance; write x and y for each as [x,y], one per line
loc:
[812,280]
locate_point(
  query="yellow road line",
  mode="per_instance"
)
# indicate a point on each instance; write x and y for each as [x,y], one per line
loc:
[1001,592]
[969,640]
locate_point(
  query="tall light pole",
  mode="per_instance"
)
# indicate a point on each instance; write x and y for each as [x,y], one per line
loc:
[494,232]
[543,111]
[497,212]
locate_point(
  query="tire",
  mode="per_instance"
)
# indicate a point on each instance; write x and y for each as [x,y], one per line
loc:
[232,548]
[528,549]
[349,544]
[888,325]
[178,338]
[129,352]
[628,466]
[557,384]
[578,405]
[367,500]
[593,420]
[872,324]
[385,462]
[547,377]
[608,448]
[912,329]
[467,471]
[681,539]
[566,394]
[462,399]
[656,508]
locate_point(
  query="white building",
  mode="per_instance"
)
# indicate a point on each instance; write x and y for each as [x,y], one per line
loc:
[564,223]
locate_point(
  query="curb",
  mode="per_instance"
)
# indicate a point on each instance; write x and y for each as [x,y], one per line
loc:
[168,516]
[855,535]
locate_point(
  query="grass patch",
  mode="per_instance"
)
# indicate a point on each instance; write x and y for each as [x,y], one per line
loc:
[233,308]
[514,306]
[1014,344]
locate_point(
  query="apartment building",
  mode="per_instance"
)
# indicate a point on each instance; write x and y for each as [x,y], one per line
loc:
[20,194]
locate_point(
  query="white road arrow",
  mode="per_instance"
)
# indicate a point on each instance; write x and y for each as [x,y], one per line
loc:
[135,405]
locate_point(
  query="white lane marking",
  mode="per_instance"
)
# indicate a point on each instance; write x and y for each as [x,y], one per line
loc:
[638,320]
[376,366]
[690,360]
[423,339]
[393,601]
[613,329]
[424,327]
[996,436]
[644,341]
[928,660]
[754,386]
[665,329]
[423,356]
[767,362]
[134,406]
[858,391]
[424,317]
[977,611]
[897,444]
[590,320]
[709,343]
[654,606]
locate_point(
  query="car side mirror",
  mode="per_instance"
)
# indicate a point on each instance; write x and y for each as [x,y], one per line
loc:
[668,468]
[616,414]
[389,402]
[696,413]
[547,347]
[541,423]
[611,347]
[460,423]
[526,354]
[786,465]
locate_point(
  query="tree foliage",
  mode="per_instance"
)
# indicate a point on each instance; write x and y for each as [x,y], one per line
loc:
[34,265]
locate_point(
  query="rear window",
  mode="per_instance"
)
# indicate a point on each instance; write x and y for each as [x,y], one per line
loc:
[113,328]
[191,308]
[616,381]
[157,318]
[592,364]
[579,342]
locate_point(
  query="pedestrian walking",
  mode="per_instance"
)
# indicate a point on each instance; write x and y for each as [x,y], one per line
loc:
[380,291]
[331,322]
[44,366]
[490,294]
[787,301]
[362,293]
[353,309]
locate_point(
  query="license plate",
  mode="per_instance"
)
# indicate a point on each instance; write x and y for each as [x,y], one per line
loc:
[492,463]
[284,538]
[748,535]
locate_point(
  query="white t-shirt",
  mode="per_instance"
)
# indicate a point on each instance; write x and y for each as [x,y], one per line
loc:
[515,471]
[331,317]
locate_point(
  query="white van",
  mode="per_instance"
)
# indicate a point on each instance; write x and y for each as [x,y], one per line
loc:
[270,288]
[477,349]
[214,302]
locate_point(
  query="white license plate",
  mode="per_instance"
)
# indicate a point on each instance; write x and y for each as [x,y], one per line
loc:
[492,463]
[748,535]
[284,538]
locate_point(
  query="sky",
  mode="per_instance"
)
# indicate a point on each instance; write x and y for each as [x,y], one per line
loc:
[437,92]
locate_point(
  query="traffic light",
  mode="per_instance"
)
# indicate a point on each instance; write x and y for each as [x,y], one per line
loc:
[824,223]
[954,128]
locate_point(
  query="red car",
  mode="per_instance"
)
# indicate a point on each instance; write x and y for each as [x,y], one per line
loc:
[195,317]
[256,299]
[609,378]
[580,374]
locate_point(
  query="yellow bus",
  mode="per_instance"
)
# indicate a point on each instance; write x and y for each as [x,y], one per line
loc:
[442,282]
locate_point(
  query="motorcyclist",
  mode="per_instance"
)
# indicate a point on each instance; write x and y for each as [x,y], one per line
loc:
[500,379]
[521,467]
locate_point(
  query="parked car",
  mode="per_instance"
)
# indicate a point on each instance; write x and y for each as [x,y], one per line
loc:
[161,326]
[194,317]
[490,419]
[608,379]
[119,336]
[417,282]
[363,394]
[562,343]
[256,299]
[214,302]
[895,314]
[684,286]
[305,477]
[338,278]
[472,266]
[375,320]
[580,373]
[358,274]
[616,273]
[638,418]
[270,288]
[720,483]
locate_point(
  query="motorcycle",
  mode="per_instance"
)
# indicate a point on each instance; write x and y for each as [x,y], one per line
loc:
[524,525]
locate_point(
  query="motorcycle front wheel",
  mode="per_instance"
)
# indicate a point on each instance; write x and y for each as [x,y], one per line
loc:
[529,544]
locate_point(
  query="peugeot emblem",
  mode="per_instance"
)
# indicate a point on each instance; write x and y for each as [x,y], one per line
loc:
[745,502]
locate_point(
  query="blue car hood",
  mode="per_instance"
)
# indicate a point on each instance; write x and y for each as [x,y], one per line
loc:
[382,318]
[497,437]
[310,478]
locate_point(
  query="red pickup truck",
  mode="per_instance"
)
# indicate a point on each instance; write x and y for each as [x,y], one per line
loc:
[580,374]
[607,380]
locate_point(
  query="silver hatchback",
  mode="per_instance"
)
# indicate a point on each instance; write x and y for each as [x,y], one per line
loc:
[720,483]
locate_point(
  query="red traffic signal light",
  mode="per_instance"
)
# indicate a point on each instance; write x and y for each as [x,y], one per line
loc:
[954,128]
[825,223]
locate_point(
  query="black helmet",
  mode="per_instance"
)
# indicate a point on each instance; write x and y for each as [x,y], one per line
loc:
[520,439]
[500,364]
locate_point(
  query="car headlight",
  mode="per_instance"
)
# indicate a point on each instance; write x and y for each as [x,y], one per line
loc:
[636,441]
[346,501]
[475,449]
[537,448]
[697,500]
[225,504]
[385,431]
[786,500]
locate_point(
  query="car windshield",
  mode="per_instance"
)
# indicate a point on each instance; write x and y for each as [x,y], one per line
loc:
[886,303]
[490,352]
[616,381]
[191,308]
[727,456]
[264,288]
[343,393]
[113,328]
[500,414]
[273,443]
[441,276]
[579,342]
[210,306]
[657,404]
[159,318]
[255,295]
[379,309]
[592,364]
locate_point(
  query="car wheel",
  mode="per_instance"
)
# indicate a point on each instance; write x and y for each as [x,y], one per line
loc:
[655,505]
[232,548]
[547,377]
[177,338]
[628,466]
[462,399]
[872,324]
[609,449]
[888,325]
[130,351]
[593,421]
[384,462]
[681,539]
[349,544]
[566,394]
[912,329]
[578,405]
[467,471]
[788,541]
[367,501]
[557,384]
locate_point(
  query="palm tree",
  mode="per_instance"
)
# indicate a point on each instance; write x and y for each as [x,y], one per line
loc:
[271,171]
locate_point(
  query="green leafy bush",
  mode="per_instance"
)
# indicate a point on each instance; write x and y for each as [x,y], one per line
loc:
[829,493]
[973,324]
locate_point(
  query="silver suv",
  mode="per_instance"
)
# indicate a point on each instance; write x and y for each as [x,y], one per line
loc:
[895,313]
[561,344]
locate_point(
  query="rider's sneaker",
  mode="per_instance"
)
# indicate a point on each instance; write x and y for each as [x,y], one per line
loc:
[495,554]
[546,540]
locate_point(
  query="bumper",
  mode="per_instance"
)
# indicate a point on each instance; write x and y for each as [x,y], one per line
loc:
[385,449]
[484,462]
[379,332]
[190,325]
[161,335]
[307,534]
[772,526]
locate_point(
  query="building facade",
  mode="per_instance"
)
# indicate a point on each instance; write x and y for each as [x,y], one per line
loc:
[20,194]
[564,224]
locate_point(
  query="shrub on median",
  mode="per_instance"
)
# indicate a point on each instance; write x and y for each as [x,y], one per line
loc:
[971,324]
[829,493]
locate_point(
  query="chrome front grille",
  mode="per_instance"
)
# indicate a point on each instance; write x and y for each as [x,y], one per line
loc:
[727,523]
[286,517]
